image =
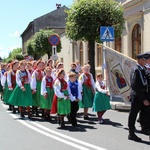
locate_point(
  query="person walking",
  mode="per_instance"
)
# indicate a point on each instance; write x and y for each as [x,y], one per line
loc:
[139,95]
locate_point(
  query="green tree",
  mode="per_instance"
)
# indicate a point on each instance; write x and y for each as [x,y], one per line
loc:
[39,44]
[14,54]
[85,18]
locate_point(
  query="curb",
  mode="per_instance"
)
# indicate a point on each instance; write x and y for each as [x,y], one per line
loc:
[120,106]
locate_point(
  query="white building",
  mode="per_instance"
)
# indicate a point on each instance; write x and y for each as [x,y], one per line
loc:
[134,39]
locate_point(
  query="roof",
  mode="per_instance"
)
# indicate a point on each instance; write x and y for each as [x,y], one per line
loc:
[54,20]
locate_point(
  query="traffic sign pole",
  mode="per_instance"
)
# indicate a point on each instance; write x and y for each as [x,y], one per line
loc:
[106,35]
[54,40]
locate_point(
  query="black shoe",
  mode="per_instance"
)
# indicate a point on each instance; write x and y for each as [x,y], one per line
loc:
[145,131]
[134,138]
[10,108]
[22,115]
[29,116]
[58,120]
[86,117]
[14,111]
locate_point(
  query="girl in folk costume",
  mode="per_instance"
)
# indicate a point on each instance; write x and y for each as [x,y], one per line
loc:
[34,64]
[101,98]
[50,63]
[88,89]
[47,93]
[2,71]
[30,68]
[11,81]
[63,98]
[36,80]
[22,94]
[5,85]
[43,66]
[54,72]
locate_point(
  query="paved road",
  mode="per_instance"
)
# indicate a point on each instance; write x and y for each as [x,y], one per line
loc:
[16,134]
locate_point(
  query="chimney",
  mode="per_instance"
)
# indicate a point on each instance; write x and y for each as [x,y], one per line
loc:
[58,5]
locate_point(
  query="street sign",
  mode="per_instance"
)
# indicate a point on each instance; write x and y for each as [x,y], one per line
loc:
[54,40]
[106,33]
[54,53]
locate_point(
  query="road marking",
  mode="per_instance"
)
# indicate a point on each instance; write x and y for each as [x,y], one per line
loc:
[56,134]
[49,135]
[67,137]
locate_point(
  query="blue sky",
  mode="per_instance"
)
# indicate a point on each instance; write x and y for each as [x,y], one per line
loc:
[15,15]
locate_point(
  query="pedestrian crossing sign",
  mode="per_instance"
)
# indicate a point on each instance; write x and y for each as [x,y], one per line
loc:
[106,33]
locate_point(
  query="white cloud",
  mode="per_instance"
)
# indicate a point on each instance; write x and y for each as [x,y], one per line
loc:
[4,52]
[15,34]
[13,47]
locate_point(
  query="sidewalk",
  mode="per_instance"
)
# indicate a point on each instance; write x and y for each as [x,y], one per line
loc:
[117,103]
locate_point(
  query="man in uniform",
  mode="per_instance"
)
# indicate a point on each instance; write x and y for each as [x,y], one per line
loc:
[139,95]
[144,117]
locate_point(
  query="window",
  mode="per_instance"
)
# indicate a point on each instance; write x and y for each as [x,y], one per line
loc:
[99,55]
[118,44]
[136,41]
[81,54]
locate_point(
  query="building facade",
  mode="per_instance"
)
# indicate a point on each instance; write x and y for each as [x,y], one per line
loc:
[55,20]
[133,40]
[135,37]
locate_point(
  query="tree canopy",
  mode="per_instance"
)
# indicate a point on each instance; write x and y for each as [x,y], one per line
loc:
[14,54]
[85,18]
[39,45]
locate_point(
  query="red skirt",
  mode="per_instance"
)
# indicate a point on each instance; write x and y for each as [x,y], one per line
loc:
[54,105]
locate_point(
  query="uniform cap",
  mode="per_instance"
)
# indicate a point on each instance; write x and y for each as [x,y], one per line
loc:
[142,56]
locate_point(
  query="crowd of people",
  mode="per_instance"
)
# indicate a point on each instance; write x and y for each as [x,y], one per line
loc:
[38,87]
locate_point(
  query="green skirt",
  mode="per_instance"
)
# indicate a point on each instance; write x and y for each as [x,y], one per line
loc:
[63,106]
[7,93]
[87,98]
[21,98]
[47,103]
[37,96]
[101,102]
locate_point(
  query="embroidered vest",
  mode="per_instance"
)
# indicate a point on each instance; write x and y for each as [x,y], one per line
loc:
[39,75]
[13,78]
[24,77]
[87,80]
[63,84]
[74,88]
[49,82]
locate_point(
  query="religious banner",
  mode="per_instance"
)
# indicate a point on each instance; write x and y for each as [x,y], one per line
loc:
[118,70]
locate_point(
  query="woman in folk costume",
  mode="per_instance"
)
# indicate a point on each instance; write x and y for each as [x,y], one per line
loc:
[4,84]
[63,97]
[88,89]
[47,93]
[11,81]
[22,94]
[36,80]
[101,99]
